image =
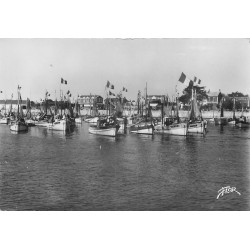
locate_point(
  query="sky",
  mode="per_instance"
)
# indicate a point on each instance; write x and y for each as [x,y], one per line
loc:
[38,65]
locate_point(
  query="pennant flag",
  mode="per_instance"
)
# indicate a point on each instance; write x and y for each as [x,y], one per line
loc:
[108,84]
[112,86]
[183,79]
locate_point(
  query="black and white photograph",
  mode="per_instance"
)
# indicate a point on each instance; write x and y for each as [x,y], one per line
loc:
[130,137]
[124,124]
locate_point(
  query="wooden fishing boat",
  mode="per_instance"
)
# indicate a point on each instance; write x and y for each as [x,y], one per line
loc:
[77,117]
[108,131]
[232,121]
[105,126]
[198,127]
[4,119]
[142,128]
[176,129]
[196,123]
[220,120]
[92,119]
[60,125]
[19,124]
[242,122]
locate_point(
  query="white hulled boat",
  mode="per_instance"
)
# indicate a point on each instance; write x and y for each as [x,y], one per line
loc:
[176,129]
[106,127]
[18,126]
[142,128]
[109,131]
[60,125]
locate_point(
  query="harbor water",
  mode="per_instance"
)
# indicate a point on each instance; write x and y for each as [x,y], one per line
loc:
[48,170]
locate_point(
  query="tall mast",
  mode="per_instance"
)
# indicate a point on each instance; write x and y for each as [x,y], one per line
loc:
[18,101]
[234,108]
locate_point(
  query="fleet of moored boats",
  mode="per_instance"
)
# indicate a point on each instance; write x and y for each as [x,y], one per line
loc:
[111,125]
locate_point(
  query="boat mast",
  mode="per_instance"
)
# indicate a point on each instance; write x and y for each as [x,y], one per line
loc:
[18,101]
[234,108]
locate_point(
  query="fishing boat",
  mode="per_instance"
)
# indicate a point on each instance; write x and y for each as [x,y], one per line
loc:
[19,124]
[171,122]
[92,119]
[142,128]
[176,129]
[144,123]
[59,125]
[4,119]
[232,121]
[220,120]
[242,122]
[42,120]
[77,117]
[105,126]
[196,124]
[29,119]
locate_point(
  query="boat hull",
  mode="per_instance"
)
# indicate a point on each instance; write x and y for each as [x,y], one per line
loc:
[104,131]
[142,128]
[92,120]
[4,120]
[176,129]
[78,120]
[232,122]
[198,128]
[242,125]
[42,123]
[18,127]
[59,126]
[220,121]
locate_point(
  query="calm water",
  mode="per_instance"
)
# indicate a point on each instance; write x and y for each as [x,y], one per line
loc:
[46,170]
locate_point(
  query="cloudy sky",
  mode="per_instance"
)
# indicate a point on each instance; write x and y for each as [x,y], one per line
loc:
[87,64]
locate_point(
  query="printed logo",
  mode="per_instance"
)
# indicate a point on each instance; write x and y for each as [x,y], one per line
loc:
[227,190]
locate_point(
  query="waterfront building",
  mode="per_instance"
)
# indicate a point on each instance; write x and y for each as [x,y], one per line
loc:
[155,101]
[88,101]
[14,103]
